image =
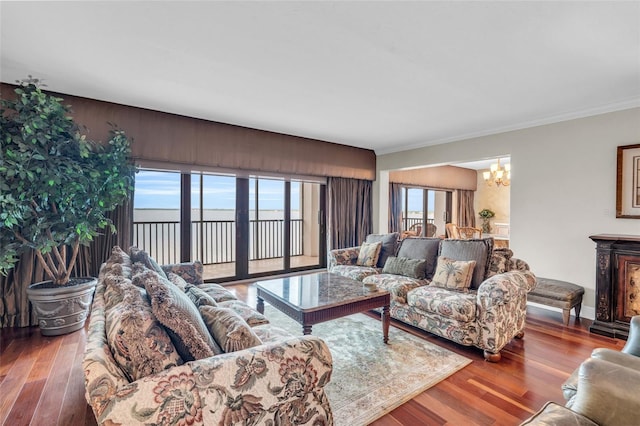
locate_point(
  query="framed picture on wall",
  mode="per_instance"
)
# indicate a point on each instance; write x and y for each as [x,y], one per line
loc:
[628,182]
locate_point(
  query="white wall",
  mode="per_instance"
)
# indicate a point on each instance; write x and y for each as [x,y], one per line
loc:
[562,189]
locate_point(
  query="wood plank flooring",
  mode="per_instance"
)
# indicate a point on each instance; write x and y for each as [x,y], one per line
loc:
[41,379]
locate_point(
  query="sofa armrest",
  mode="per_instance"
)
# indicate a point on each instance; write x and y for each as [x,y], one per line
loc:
[502,308]
[279,383]
[344,256]
[504,288]
[552,414]
[607,393]
[191,272]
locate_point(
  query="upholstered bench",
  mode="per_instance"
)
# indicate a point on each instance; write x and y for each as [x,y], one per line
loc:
[559,294]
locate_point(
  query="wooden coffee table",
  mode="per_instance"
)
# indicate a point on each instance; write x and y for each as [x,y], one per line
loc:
[313,298]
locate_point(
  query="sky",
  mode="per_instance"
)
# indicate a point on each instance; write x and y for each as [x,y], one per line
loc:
[161,190]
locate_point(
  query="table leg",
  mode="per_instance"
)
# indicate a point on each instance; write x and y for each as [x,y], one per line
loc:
[306,329]
[385,323]
[260,305]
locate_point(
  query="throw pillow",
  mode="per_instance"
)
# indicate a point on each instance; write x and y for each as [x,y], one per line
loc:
[413,268]
[138,255]
[421,248]
[219,293]
[477,249]
[230,331]
[389,245]
[199,297]
[178,281]
[368,255]
[138,342]
[180,316]
[453,274]
[250,315]
[500,258]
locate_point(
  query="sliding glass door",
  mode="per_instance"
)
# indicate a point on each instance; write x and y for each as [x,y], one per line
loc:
[238,227]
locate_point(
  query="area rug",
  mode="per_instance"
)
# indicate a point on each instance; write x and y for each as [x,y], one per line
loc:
[370,378]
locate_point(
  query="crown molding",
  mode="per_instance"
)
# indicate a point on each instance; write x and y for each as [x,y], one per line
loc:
[574,115]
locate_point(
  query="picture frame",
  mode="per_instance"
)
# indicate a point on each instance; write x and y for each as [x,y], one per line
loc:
[628,182]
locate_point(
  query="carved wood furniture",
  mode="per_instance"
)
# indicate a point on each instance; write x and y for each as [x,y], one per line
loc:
[314,298]
[617,283]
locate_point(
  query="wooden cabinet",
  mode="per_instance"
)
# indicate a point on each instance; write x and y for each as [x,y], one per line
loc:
[617,283]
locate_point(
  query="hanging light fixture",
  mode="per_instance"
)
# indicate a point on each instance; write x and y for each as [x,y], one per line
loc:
[498,175]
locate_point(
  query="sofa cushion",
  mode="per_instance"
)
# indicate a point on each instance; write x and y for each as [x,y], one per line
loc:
[478,250]
[138,342]
[219,293]
[354,272]
[412,268]
[250,315]
[228,329]
[397,285]
[389,245]
[441,301]
[453,274]
[180,316]
[421,248]
[368,254]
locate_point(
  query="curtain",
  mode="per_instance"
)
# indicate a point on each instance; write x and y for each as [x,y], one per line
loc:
[395,207]
[466,213]
[15,309]
[349,212]
[100,249]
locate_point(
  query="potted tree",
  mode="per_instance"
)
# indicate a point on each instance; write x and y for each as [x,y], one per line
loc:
[56,190]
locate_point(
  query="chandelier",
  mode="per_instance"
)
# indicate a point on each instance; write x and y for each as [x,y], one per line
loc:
[498,175]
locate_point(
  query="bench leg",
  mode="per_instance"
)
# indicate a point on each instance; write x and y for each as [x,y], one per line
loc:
[566,313]
[577,310]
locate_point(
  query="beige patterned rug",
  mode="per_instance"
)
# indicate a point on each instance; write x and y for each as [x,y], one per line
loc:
[370,378]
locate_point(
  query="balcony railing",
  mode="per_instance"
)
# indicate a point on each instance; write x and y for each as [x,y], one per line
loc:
[214,241]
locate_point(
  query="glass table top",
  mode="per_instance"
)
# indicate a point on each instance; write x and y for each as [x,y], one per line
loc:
[317,290]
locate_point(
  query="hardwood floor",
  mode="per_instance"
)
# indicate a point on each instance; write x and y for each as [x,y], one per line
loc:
[41,379]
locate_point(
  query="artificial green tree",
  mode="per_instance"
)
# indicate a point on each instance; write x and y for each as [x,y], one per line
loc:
[56,186]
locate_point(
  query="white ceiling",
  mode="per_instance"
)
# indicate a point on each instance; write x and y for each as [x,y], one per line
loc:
[381,75]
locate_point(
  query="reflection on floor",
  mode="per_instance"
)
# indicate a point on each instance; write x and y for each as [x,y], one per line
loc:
[223,270]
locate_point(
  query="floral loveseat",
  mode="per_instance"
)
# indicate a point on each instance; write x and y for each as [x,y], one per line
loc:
[487,314]
[135,373]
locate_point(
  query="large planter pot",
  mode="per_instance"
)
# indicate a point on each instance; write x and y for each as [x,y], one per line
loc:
[62,309]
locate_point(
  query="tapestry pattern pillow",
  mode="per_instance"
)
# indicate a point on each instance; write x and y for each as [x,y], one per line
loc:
[199,297]
[138,342]
[178,281]
[453,274]
[368,255]
[246,312]
[180,317]
[230,331]
[139,255]
[413,268]
[219,293]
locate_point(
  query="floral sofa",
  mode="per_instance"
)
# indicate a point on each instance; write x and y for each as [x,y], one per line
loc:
[487,314]
[135,372]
